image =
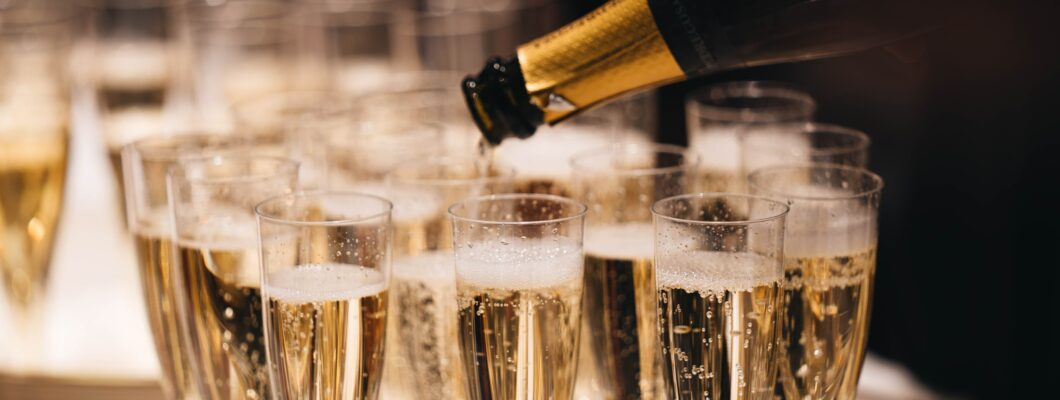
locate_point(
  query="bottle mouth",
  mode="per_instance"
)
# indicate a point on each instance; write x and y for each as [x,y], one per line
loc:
[499,103]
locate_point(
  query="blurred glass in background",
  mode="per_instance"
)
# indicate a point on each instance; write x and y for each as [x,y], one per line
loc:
[35,44]
[721,116]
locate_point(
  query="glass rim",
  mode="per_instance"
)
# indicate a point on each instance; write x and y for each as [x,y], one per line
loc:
[861,140]
[179,169]
[259,211]
[393,176]
[691,164]
[698,102]
[877,180]
[582,209]
[655,212]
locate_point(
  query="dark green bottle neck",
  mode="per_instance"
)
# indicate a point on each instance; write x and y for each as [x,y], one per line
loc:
[499,102]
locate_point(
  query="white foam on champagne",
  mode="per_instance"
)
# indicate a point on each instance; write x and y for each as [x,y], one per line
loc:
[324,282]
[632,241]
[715,271]
[822,228]
[522,264]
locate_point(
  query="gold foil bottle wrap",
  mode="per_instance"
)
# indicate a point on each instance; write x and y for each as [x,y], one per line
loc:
[615,49]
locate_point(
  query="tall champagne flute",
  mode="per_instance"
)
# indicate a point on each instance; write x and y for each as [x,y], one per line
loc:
[145,163]
[718,273]
[424,358]
[35,41]
[212,199]
[719,116]
[519,267]
[619,185]
[325,274]
[829,269]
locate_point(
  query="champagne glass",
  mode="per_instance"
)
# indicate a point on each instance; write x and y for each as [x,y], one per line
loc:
[146,162]
[719,116]
[424,358]
[718,274]
[829,269]
[216,257]
[619,185]
[325,277]
[35,42]
[519,267]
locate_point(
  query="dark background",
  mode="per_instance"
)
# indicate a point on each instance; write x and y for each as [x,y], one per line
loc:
[964,134]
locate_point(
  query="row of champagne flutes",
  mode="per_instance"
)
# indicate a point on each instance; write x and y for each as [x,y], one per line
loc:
[162,67]
[513,306]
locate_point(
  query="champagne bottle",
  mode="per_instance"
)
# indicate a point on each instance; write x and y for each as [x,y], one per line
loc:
[630,45]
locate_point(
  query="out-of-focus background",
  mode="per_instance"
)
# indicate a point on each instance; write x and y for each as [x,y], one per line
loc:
[957,118]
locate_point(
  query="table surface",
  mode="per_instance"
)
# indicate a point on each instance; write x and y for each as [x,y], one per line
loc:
[97,343]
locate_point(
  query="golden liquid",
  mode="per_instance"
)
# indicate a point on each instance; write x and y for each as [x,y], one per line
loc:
[520,343]
[620,311]
[225,319]
[154,252]
[719,344]
[718,323]
[331,346]
[32,176]
[826,324]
